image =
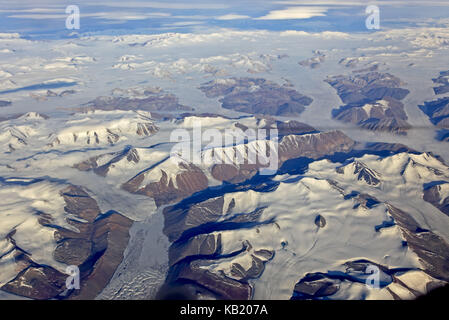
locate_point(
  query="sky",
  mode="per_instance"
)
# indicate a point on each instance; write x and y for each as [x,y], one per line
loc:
[47,18]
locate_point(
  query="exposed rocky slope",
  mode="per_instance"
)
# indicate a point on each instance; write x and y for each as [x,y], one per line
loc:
[5,103]
[372,101]
[315,61]
[438,195]
[256,96]
[147,100]
[231,235]
[17,129]
[94,128]
[172,181]
[438,112]
[171,186]
[100,128]
[81,236]
[168,179]
[443,82]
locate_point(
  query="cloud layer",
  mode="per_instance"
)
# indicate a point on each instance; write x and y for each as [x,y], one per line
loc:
[302,12]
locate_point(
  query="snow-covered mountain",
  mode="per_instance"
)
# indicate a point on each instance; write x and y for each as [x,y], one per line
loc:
[48,226]
[331,208]
[103,127]
[361,225]
[93,174]
[93,128]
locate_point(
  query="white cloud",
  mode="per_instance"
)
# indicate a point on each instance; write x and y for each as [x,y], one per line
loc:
[38,16]
[183,23]
[128,15]
[9,35]
[324,34]
[163,5]
[33,10]
[232,16]
[295,13]
[365,2]
[121,16]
